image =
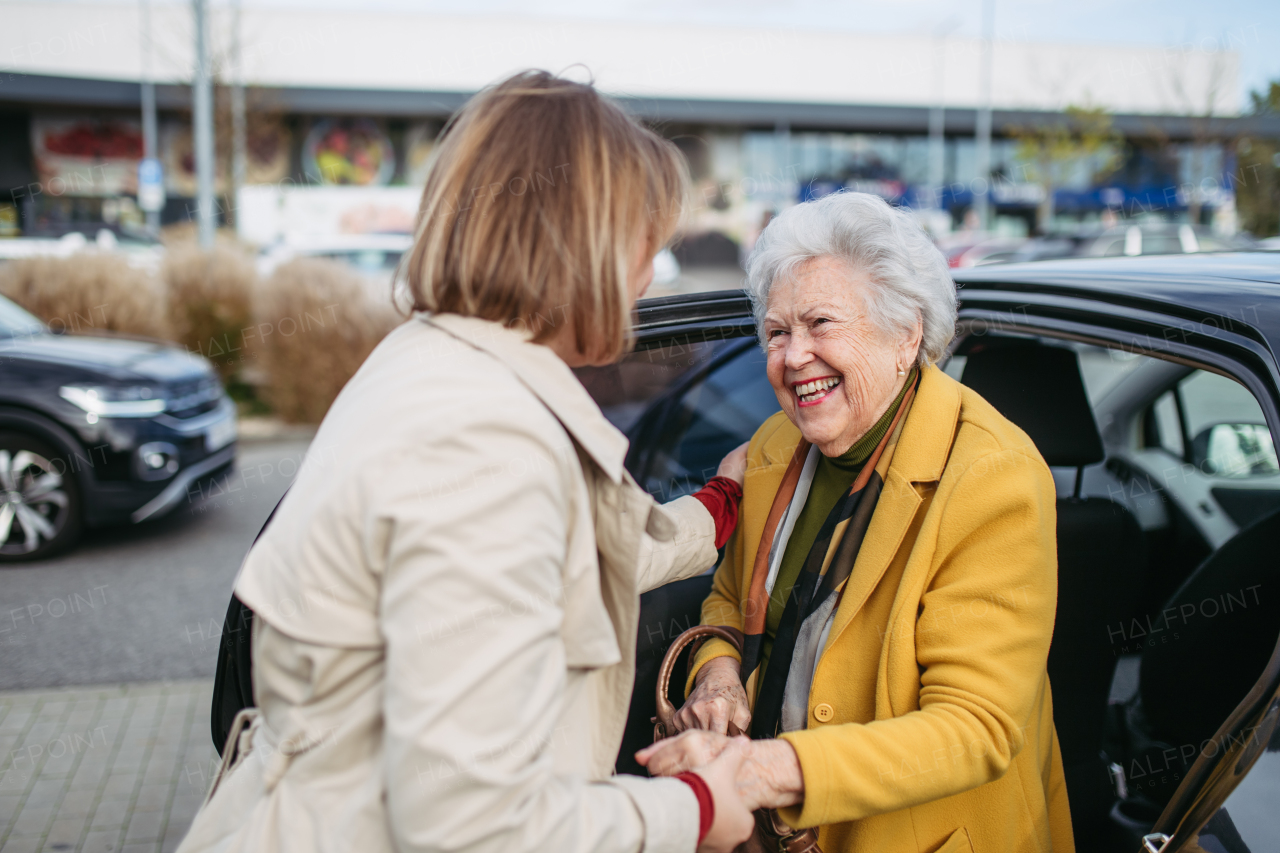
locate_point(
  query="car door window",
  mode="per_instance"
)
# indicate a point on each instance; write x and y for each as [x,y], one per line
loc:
[688,431]
[1167,425]
[1213,425]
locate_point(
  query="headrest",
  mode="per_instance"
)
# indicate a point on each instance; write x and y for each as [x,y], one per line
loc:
[1039,388]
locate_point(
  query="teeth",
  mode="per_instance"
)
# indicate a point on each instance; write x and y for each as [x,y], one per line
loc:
[810,391]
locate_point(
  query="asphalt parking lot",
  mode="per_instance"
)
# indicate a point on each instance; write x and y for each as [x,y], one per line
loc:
[144,603]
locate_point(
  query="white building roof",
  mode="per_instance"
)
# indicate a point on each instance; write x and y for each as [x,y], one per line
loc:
[397,51]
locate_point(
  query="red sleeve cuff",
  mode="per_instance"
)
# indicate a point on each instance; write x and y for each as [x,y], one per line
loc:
[706,804]
[721,496]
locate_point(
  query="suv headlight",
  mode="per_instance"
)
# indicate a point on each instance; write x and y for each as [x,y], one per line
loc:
[127,401]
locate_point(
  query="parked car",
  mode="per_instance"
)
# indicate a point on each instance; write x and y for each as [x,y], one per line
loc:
[1048,248]
[97,431]
[1152,388]
[374,256]
[991,250]
[140,251]
[1158,238]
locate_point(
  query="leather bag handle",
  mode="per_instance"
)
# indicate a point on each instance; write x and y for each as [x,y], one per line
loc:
[772,833]
[662,724]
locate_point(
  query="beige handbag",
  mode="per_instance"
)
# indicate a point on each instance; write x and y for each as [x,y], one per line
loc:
[772,834]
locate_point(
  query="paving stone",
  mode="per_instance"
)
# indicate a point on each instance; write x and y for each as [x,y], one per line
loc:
[8,806]
[111,813]
[47,792]
[145,826]
[102,842]
[120,786]
[32,820]
[65,831]
[152,798]
[130,762]
[77,804]
[28,844]
[88,776]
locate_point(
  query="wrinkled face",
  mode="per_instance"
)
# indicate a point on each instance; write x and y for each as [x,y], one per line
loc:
[835,372]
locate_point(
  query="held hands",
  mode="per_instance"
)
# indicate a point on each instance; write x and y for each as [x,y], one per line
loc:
[733,822]
[717,699]
[768,775]
[734,466]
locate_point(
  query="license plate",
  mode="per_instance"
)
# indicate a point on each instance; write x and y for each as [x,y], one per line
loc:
[219,435]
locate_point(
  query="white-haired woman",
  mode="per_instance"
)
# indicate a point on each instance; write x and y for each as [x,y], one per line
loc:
[894,571]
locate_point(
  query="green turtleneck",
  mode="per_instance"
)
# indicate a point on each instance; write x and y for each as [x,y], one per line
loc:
[832,479]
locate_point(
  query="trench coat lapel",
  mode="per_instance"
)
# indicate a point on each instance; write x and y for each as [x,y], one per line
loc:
[542,371]
[920,457]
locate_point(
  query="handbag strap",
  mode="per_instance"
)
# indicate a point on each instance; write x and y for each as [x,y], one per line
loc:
[662,723]
[770,828]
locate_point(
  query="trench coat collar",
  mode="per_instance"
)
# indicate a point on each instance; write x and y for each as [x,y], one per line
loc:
[551,381]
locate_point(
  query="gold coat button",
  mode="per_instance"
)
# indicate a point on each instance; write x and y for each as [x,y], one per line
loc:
[823,712]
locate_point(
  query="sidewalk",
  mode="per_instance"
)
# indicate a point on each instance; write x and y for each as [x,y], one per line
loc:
[108,768]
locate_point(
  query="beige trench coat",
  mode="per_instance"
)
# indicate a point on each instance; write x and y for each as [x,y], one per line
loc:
[447,606]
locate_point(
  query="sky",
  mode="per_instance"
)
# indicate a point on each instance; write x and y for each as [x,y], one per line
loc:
[1251,27]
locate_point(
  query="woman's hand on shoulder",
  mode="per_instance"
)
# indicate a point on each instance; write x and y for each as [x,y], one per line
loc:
[734,466]
[717,700]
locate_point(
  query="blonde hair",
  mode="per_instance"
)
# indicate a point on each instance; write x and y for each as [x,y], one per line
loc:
[543,195]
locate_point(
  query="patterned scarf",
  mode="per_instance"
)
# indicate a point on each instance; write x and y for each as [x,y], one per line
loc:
[782,693]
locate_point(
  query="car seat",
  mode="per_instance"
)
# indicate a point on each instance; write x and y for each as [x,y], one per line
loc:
[1204,650]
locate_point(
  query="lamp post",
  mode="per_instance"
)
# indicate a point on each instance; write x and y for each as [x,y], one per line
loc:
[150,177]
[938,114]
[202,114]
[237,112]
[982,127]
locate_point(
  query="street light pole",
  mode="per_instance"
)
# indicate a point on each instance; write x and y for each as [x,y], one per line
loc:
[148,110]
[982,127]
[938,114]
[202,114]
[237,113]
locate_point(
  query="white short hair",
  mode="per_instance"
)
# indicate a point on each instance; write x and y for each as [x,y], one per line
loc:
[909,275]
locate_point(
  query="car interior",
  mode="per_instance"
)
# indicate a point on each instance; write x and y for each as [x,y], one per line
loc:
[1168,502]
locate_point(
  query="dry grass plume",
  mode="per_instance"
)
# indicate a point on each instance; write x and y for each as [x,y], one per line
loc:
[211,302]
[87,294]
[317,326]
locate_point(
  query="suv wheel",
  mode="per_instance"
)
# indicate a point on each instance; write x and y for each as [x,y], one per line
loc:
[39,499]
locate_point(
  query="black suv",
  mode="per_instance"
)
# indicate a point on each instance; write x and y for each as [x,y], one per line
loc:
[99,430]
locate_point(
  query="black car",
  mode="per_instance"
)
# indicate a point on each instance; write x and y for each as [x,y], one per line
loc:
[1164,667]
[97,431]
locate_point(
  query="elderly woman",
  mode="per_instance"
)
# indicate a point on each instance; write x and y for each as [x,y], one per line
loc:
[894,571]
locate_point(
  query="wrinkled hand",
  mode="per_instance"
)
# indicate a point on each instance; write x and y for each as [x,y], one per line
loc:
[734,466]
[733,822]
[769,776]
[687,750]
[717,699]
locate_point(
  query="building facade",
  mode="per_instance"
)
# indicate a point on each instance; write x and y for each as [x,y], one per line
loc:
[343,103]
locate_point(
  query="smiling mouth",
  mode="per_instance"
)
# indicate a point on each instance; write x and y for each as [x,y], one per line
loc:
[814,391]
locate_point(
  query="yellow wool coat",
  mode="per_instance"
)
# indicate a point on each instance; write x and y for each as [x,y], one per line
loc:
[930,723]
